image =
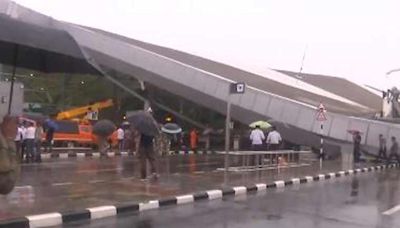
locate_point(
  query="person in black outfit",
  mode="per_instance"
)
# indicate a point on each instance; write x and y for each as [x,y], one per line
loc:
[382,148]
[146,152]
[394,151]
[49,139]
[357,146]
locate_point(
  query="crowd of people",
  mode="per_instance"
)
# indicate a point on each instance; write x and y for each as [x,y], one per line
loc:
[164,143]
[29,141]
[382,154]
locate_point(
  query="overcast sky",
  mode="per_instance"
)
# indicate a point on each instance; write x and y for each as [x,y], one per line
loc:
[355,39]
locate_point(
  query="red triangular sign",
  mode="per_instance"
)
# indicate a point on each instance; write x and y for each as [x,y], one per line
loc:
[321,113]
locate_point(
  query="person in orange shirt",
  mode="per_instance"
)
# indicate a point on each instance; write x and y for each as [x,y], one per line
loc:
[194,138]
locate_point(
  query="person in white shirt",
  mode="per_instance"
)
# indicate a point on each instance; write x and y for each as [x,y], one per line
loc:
[120,137]
[257,137]
[19,139]
[30,134]
[274,139]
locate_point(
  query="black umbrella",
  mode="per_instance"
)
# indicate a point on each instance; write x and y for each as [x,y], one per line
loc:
[44,49]
[104,128]
[144,123]
[171,128]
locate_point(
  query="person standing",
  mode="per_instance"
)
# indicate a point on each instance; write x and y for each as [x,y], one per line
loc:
[19,138]
[394,151]
[207,138]
[257,137]
[23,142]
[194,138]
[49,137]
[30,142]
[357,146]
[382,148]
[146,153]
[120,138]
[274,139]
[38,142]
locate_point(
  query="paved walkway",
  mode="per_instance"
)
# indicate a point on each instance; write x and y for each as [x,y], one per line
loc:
[70,184]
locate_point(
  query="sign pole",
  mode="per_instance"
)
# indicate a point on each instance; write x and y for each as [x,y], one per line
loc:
[227,131]
[321,150]
[234,88]
[321,118]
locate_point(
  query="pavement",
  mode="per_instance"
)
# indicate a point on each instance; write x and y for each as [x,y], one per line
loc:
[75,184]
[369,200]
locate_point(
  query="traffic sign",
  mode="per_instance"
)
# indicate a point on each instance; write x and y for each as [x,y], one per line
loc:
[238,88]
[321,113]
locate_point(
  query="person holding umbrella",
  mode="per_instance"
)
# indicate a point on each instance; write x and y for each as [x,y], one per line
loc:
[144,123]
[103,129]
[172,130]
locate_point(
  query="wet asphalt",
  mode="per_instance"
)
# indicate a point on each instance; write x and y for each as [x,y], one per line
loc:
[58,185]
[358,201]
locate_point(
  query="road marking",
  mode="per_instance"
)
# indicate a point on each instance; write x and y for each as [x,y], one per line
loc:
[184,199]
[261,187]
[214,194]
[280,184]
[99,170]
[392,210]
[153,204]
[296,181]
[102,212]
[240,190]
[23,187]
[199,164]
[309,179]
[62,184]
[96,181]
[45,220]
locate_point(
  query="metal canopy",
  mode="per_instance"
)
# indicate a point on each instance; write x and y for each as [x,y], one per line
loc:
[39,48]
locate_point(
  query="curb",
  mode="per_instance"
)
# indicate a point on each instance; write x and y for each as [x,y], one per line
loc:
[66,155]
[108,154]
[58,218]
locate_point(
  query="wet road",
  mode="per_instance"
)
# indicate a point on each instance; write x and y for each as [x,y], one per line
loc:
[366,200]
[72,184]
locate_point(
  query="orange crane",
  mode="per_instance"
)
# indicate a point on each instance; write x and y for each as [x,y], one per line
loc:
[83,110]
[77,119]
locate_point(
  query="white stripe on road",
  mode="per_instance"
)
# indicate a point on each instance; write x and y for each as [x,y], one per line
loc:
[309,179]
[62,184]
[240,190]
[96,181]
[98,170]
[102,212]
[261,187]
[214,194]
[184,199]
[279,184]
[296,181]
[45,220]
[23,187]
[392,210]
[153,204]
[63,155]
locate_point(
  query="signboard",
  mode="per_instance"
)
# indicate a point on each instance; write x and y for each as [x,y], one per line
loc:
[321,113]
[238,88]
